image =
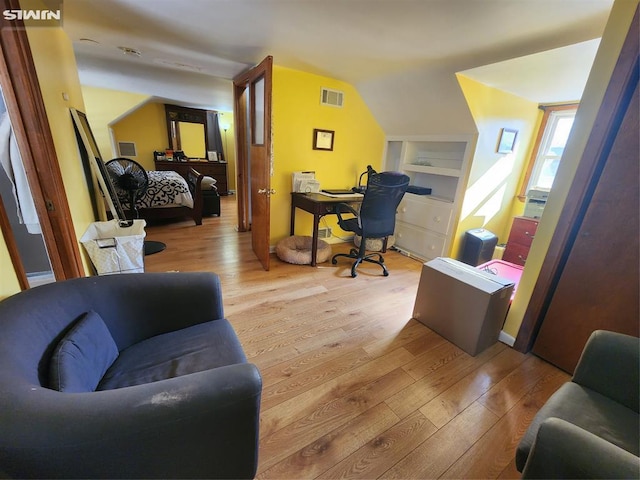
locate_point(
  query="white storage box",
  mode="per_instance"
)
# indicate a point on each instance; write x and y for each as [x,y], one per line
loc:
[115,249]
[461,303]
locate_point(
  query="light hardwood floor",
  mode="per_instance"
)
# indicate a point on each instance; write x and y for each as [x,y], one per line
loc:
[353,387]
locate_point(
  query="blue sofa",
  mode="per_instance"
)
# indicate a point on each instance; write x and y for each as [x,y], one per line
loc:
[125,376]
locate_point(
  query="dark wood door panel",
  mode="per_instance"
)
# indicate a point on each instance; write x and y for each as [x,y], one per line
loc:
[599,286]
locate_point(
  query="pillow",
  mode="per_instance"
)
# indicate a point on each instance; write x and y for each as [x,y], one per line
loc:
[83,356]
[208,183]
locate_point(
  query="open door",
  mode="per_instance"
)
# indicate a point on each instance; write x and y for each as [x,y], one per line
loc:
[252,113]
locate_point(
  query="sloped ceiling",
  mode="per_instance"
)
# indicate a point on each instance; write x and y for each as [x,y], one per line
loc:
[396,49]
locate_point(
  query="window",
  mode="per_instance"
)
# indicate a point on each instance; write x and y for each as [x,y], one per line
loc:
[547,155]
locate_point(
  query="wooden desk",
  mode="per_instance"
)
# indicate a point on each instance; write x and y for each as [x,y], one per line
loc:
[318,205]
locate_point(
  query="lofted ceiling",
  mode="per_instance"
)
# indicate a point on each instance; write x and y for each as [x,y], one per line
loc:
[188,51]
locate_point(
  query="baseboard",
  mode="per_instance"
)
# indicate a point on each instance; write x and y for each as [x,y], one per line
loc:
[40,278]
[506,338]
[336,240]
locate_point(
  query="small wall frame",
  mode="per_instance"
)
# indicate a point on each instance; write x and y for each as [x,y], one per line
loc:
[507,140]
[323,139]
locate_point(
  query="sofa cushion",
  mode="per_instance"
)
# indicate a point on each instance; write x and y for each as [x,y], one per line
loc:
[590,411]
[194,349]
[82,356]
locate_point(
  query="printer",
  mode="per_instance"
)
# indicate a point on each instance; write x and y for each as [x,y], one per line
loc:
[535,202]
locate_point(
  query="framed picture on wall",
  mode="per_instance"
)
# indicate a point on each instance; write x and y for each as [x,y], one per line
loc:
[507,140]
[323,139]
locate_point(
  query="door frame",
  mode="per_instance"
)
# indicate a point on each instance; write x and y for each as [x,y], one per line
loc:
[25,105]
[240,94]
[609,116]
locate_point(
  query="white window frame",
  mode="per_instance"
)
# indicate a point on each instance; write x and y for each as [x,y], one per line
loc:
[541,150]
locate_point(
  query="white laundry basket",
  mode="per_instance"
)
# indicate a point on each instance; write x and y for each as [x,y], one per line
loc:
[115,249]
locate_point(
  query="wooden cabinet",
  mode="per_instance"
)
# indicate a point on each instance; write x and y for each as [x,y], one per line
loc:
[425,223]
[520,238]
[212,169]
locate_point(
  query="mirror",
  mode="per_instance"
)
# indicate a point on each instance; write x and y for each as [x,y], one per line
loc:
[187,129]
[94,167]
[192,140]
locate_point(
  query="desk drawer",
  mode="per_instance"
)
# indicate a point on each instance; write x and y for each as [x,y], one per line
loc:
[425,244]
[421,213]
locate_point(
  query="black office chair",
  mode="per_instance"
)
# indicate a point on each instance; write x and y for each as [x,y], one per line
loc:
[377,216]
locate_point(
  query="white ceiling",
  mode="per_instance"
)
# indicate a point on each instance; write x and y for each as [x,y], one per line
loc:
[552,76]
[189,50]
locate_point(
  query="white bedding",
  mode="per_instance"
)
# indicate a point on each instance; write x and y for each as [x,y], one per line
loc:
[166,189]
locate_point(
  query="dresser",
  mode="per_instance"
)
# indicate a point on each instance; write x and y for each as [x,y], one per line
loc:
[423,226]
[519,243]
[215,170]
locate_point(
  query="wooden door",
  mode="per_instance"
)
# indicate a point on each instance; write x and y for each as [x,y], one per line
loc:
[589,279]
[253,125]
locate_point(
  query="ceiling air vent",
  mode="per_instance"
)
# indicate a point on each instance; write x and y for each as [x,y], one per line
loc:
[333,98]
[127,149]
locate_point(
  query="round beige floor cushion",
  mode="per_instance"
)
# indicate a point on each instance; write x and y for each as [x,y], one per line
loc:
[374,244]
[297,250]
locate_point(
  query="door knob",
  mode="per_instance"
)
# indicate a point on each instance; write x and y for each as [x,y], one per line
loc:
[268,192]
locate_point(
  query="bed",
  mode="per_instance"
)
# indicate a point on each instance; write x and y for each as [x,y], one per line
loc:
[169,195]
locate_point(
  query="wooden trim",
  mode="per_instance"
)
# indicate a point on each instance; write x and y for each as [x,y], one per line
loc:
[26,108]
[614,105]
[242,161]
[522,194]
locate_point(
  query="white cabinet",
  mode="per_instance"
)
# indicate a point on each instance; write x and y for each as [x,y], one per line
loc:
[425,223]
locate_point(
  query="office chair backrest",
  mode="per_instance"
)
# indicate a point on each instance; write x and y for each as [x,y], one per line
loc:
[378,211]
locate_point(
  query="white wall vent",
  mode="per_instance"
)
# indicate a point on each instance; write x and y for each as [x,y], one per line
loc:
[333,98]
[127,149]
[324,232]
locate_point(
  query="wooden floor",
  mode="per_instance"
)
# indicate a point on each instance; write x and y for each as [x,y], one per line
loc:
[353,387]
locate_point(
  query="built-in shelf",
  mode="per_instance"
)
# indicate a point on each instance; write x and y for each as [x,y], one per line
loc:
[425,224]
[447,172]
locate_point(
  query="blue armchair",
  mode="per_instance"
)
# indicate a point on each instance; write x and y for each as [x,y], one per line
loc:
[135,376]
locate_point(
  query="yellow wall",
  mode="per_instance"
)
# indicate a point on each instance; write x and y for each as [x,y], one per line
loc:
[9,281]
[105,106]
[608,52]
[358,142]
[491,195]
[146,126]
[56,68]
